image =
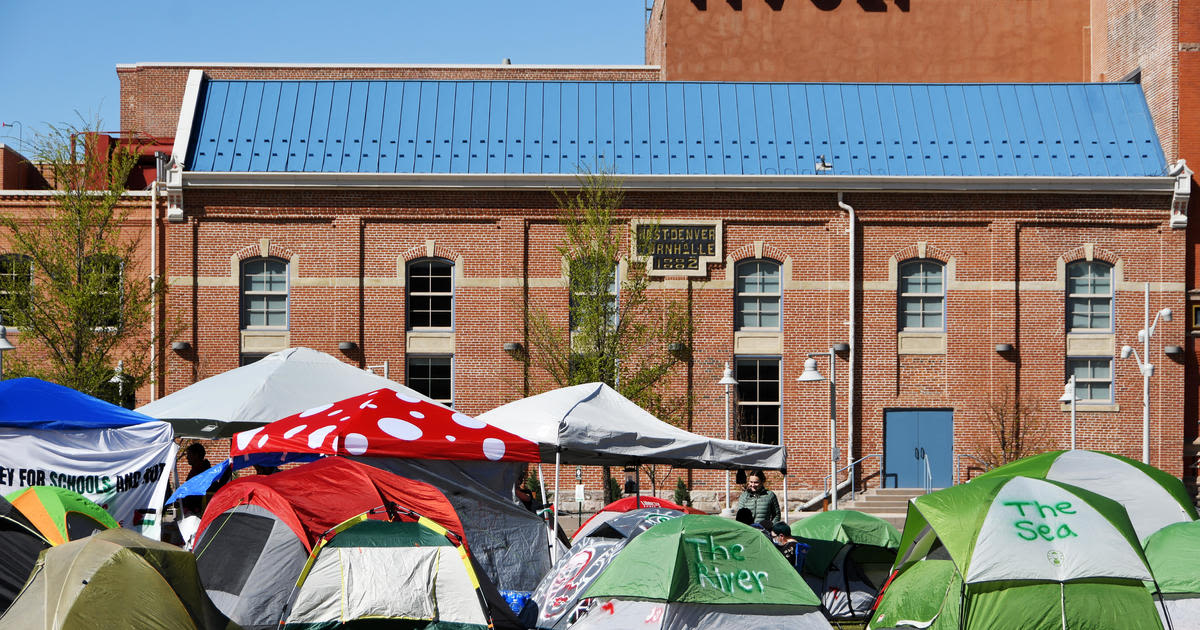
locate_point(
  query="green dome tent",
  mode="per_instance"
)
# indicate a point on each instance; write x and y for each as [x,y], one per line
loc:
[700,571]
[60,514]
[1174,555]
[1026,554]
[114,579]
[850,555]
[1153,498]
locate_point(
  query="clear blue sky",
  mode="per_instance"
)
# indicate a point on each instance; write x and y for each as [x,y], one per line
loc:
[59,58]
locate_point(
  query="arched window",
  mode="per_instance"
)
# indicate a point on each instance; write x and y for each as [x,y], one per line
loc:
[103,274]
[756,295]
[1089,296]
[16,278]
[264,293]
[922,296]
[430,294]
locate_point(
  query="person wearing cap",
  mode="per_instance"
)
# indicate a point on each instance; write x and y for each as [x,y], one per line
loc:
[792,549]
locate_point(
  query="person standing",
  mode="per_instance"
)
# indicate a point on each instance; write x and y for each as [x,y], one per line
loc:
[761,502]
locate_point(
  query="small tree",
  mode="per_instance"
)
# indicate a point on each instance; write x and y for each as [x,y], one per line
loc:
[1015,431]
[76,300]
[617,334]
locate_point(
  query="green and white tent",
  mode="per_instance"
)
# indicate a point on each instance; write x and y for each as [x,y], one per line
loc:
[1026,554]
[850,556]
[701,571]
[406,574]
[1174,555]
[1153,498]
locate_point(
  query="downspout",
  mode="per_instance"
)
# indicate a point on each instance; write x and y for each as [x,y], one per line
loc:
[154,371]
[852,230]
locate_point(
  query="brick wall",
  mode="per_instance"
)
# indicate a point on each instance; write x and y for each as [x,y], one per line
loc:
[16,173]
[997,243]
[1144,34]
[151,94]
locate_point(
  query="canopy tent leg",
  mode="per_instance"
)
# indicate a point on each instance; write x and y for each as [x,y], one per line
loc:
[784,516]
[637,486]
[542,484]
[554,530]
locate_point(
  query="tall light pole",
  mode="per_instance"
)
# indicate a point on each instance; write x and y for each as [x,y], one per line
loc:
[1069,396]
[812,375]
[727,380]
[1146,368]
[5,346]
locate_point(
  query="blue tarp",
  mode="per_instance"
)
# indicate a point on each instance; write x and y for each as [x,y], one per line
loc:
[31,403]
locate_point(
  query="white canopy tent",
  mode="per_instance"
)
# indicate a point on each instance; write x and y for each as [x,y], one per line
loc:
[274,387]
[592,424]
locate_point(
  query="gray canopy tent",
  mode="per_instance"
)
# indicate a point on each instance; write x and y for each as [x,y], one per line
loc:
[592,424]
[274,387]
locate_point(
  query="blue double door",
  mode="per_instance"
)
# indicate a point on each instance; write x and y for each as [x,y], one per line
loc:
[912,436]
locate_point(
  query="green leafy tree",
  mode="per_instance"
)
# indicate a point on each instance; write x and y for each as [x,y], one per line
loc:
[75,295]
[618,333]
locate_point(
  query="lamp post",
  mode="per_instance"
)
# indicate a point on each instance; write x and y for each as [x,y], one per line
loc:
[811,375]
[727,380]
[1146,368]
[1069,396]
[5,346]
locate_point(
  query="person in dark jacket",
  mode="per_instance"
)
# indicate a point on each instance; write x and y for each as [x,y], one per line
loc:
[761,502]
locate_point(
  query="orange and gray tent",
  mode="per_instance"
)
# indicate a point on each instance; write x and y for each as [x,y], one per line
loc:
[414,573]
[35,519]
[114,579]
[60,514]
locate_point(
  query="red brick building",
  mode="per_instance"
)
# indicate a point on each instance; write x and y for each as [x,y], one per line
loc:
[1004,246]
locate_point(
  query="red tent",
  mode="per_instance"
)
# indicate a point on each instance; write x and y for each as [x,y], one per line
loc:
[313,498]
[385,423]
[620,506]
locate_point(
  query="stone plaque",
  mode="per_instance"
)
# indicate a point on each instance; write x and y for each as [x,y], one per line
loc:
[677,248]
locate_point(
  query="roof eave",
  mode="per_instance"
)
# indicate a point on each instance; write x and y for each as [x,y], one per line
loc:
[741,183]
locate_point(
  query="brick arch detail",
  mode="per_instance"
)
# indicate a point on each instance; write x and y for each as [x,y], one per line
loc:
[422,251]
[274,250]
[1096,253]
[932,252]
[746,252]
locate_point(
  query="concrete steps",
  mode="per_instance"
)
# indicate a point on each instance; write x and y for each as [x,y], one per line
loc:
[889,504]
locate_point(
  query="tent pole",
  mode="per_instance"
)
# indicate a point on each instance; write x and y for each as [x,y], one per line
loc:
[542,483]
[637,486]
[554,530]
[784,516]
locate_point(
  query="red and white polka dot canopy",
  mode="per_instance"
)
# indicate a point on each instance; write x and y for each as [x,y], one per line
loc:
[386,423]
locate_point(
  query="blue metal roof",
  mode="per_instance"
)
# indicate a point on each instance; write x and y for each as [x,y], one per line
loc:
[671,128]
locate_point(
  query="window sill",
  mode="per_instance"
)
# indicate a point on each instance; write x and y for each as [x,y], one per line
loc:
[920,342]
[429,342]
[1091,407]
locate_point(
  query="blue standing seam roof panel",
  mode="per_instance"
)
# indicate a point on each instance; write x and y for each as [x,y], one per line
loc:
[674,128]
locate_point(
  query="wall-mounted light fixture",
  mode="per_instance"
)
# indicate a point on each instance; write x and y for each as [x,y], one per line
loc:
[515,349]
[841,348]
[347,346]
[1175,352]
[1004,347]
[181,346]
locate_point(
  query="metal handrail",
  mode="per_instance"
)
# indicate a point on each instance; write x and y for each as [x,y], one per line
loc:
[853,478]
[928,474]
[959,456]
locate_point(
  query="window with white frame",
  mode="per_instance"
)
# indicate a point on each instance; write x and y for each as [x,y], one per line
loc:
[16,279]
[103,273]
[922,296]
[758,400]
[1093,379]
[430,294]
[264,293]
[1089,296]
[757,291]
[598,280]
[432,377]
